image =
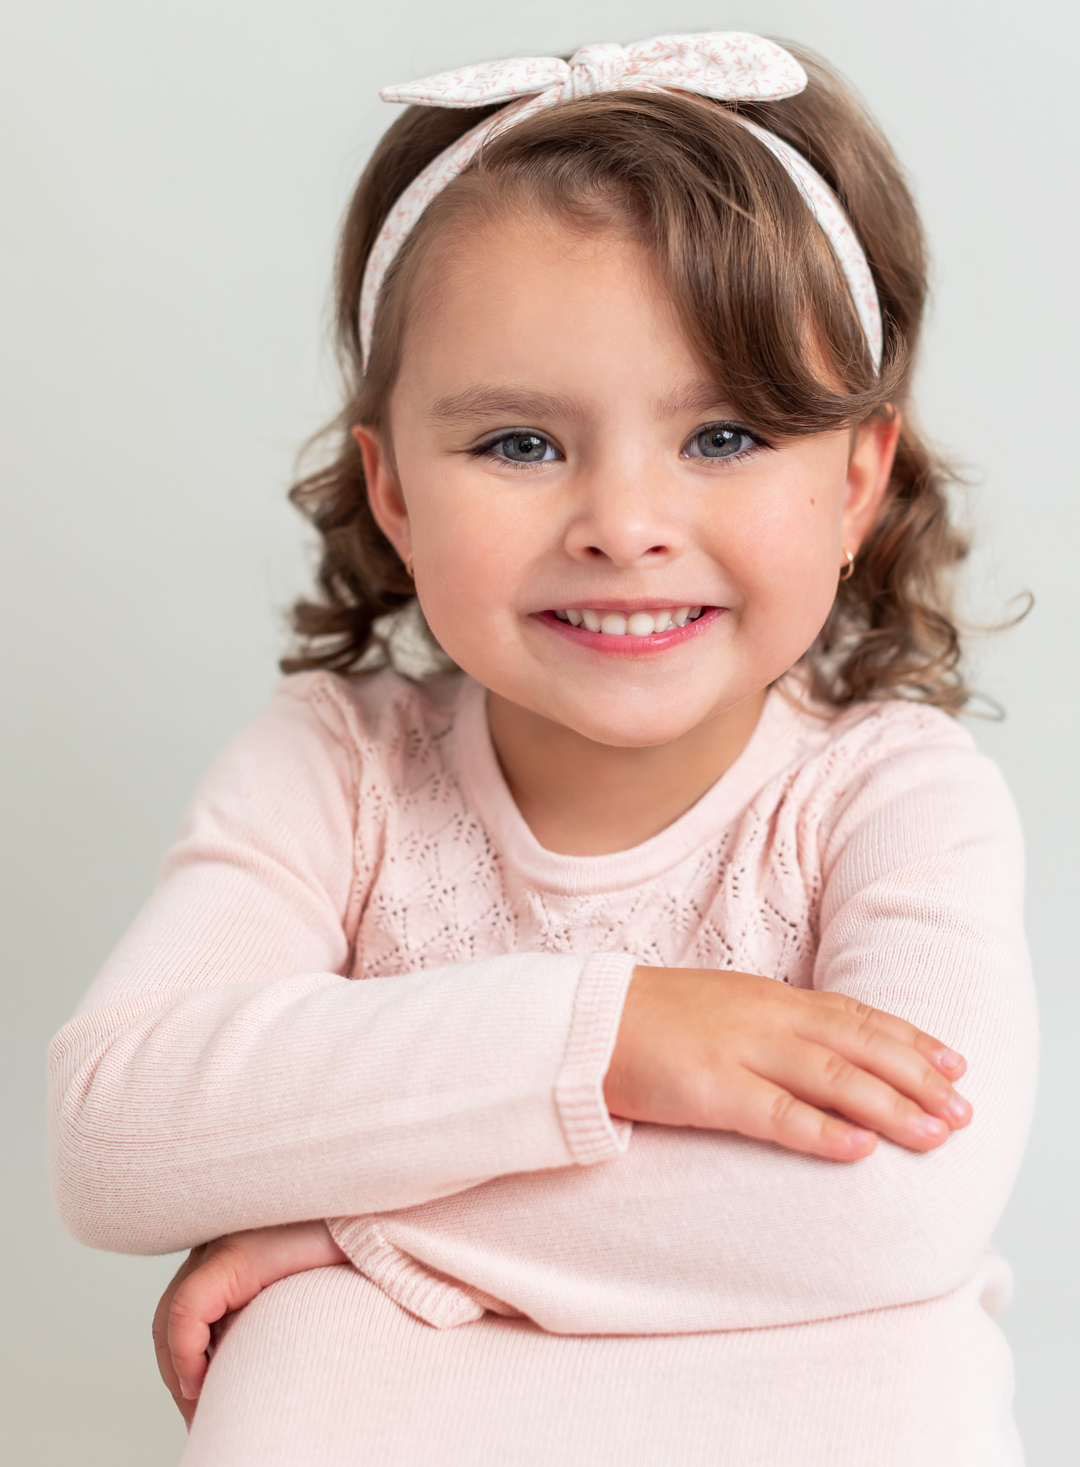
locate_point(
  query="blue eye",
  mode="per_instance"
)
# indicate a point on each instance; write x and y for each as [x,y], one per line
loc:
[524,448]
[720,440]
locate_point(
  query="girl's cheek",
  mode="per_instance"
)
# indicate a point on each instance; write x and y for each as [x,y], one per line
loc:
[786,580]
[477,545]
[471,573]
[778,544]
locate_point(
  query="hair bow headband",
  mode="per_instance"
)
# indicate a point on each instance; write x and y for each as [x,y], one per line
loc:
[729,66]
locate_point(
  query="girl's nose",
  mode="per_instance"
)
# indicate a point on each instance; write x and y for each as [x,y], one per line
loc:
[624,523]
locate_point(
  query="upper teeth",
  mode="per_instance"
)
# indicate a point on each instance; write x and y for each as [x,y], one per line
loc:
[633,623]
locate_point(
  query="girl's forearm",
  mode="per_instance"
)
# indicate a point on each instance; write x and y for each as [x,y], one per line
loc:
[257,1104]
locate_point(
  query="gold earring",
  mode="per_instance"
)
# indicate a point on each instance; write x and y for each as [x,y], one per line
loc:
[408,568]
[849,569]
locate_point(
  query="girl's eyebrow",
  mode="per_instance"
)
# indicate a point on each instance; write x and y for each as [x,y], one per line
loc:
[686,400]
[508,402]
[690,399]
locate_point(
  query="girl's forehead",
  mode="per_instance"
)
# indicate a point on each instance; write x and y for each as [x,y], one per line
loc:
[529,284]
[562,317]
[529,239]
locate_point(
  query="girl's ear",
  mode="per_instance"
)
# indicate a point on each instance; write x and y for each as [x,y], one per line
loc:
[869,470]
[384,491]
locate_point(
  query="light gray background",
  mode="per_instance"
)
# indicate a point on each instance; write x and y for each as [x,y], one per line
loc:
[173,177]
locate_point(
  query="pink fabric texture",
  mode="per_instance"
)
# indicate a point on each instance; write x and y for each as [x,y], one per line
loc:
[729,66]
[602,1293]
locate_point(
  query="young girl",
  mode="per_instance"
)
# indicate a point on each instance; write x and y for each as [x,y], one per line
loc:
[573,1034]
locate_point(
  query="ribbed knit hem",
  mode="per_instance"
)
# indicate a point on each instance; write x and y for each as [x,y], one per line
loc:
[591,1133]
[436,1301]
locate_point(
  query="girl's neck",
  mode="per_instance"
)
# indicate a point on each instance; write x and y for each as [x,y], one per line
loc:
[580,798]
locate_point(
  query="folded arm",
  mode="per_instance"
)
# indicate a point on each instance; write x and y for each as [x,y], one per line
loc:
[223,1074]
[920,916]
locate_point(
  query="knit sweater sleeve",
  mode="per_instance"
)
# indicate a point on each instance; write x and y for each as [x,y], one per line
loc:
[224,1073]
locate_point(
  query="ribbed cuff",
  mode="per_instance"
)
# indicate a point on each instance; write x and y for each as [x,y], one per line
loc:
[591,1133]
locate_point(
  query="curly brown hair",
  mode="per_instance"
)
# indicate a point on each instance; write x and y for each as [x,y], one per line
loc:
[762,298]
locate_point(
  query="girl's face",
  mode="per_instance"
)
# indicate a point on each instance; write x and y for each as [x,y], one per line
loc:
[597,536]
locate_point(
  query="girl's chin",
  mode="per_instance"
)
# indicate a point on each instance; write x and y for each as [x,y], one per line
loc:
[610,737]
[640,722]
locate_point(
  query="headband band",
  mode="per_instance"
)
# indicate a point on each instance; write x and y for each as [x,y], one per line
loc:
[728,66]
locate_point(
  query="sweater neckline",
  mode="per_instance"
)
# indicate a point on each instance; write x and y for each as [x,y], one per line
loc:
[770,747]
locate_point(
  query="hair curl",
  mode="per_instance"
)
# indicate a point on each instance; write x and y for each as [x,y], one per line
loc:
[749,271]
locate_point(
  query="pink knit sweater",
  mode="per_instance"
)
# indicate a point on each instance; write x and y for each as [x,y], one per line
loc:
[639,1295]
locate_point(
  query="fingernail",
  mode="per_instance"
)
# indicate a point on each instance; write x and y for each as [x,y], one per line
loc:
[957,1107]
[187,1390]
[930,1126]
[948,1059]
[859,1137]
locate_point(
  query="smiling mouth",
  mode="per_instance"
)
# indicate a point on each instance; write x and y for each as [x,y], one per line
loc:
[631,623]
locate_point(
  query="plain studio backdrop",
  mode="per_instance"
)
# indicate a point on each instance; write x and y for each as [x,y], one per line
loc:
[173,178]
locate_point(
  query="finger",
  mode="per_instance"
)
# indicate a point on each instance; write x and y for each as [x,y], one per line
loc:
[765,1111]
[166,1369]
[908,1072]
[188,1339]
[896,1063]
[947,1060]
[905,1056]
[822,1077]
[171,1379]
[200,1301]
[161,1338]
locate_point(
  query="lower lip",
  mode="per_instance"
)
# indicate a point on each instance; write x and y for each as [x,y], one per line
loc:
[627,646]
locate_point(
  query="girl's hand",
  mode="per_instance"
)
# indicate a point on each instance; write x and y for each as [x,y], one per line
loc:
[736,1052]
[221,1276]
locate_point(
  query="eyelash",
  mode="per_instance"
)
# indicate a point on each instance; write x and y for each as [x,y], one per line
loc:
[756,441]
[487,449]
